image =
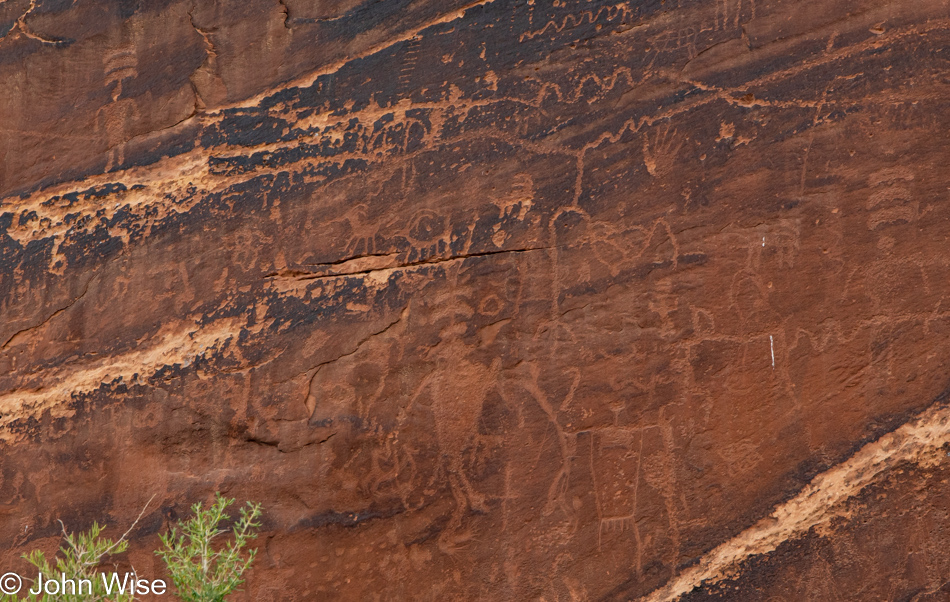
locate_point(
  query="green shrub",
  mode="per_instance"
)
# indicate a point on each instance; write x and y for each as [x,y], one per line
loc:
[201,569]
[76,561]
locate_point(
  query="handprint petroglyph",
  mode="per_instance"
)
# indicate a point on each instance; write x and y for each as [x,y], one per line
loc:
[659,153]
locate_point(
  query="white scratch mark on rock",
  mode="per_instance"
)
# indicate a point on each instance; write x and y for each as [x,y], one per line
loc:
[772,348]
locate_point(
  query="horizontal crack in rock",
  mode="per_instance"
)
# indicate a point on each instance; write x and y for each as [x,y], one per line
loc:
[277,444]
[338,268]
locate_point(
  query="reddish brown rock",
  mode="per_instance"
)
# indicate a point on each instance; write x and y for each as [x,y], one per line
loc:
[488,300]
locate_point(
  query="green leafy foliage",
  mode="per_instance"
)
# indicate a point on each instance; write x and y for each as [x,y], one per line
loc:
[202,569]
[77,559]
[204,566]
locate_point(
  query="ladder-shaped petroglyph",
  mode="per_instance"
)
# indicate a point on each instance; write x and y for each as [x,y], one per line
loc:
[113,119]
[408,66]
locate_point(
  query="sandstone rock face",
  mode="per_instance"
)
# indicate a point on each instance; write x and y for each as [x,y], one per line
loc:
[487,300]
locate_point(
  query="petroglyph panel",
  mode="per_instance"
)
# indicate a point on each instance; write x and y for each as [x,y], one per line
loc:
[483,300]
